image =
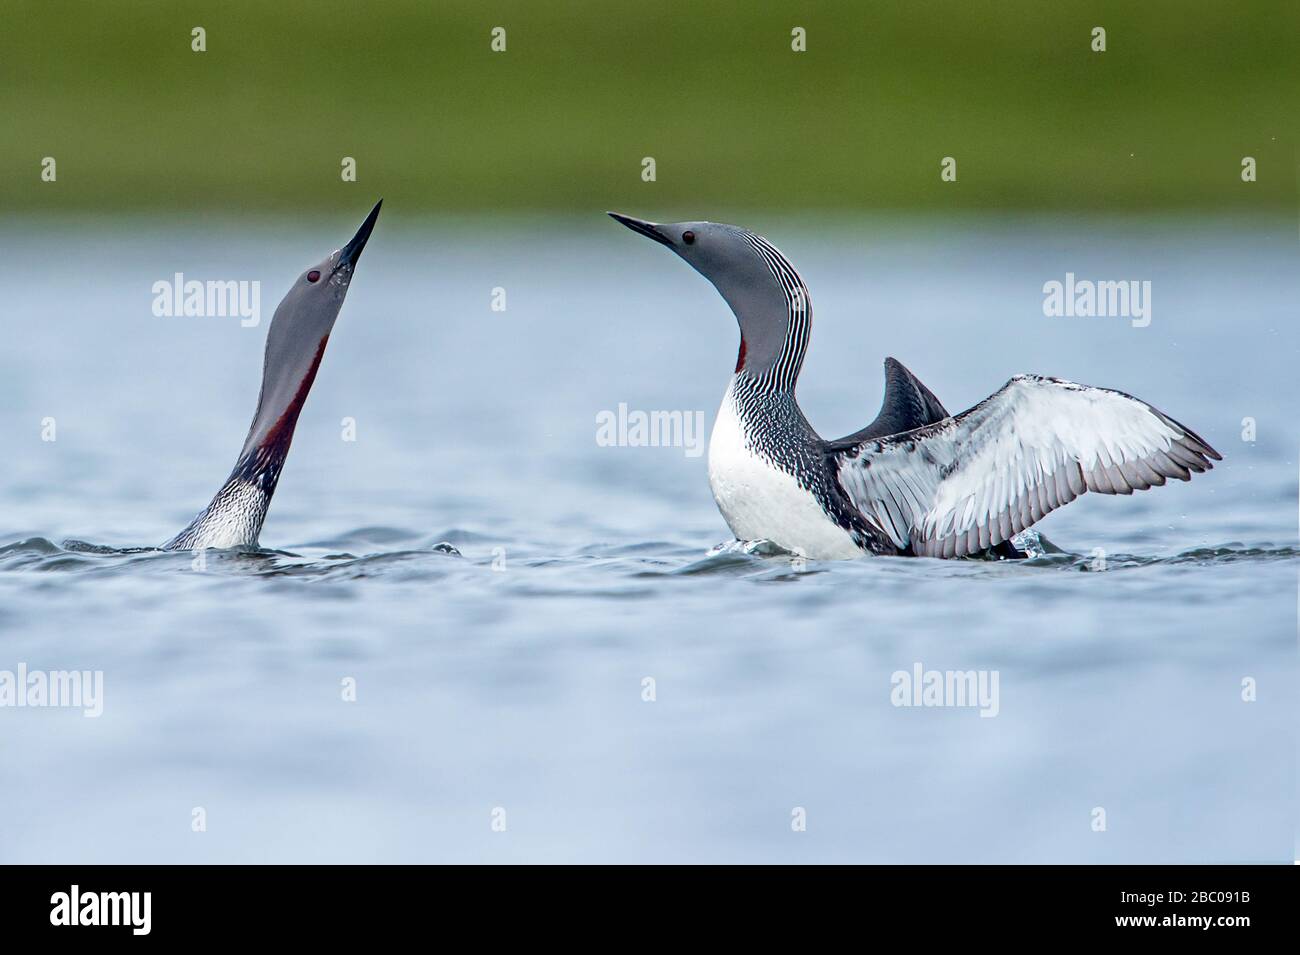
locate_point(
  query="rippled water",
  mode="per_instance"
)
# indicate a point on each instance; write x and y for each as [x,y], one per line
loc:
[500,587]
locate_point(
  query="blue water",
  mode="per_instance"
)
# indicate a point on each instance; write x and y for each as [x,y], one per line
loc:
[505,671]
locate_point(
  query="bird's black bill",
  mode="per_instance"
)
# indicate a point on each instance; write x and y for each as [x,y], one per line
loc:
[349,254]
[647,229]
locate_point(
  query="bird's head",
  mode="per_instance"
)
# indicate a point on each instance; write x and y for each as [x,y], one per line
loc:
[296,339]
[765,292]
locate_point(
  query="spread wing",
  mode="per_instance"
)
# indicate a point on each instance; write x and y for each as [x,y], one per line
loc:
[969,482]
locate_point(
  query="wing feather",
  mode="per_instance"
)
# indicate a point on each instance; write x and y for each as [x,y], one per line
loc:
[969,482]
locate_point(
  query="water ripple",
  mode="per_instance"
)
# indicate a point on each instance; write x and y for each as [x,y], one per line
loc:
[640,560]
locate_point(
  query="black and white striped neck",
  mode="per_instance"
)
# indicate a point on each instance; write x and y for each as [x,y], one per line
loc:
[781,371]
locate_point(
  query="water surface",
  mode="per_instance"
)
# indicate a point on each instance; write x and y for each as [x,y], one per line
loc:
[499,586]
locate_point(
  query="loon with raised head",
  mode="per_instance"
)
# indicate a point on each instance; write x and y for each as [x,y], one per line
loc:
[295,344]
[917,481]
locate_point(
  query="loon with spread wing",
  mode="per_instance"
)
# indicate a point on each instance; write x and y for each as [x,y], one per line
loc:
[917,481]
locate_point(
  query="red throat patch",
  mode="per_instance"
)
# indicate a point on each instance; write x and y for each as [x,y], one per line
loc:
[740,358]
[281,433]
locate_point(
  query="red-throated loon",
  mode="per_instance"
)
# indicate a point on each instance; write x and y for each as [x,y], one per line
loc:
[295,344]
[916,482]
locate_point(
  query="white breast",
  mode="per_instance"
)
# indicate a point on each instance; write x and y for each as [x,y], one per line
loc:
[762,502]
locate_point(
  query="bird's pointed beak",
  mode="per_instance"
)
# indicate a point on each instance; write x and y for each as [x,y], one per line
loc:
[349,254]
[649,229]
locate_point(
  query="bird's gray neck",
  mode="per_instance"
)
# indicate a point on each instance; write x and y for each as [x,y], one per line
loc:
[774,311]
[235,515]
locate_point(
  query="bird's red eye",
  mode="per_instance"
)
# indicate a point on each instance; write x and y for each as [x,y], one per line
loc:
[313,276]
[688,237]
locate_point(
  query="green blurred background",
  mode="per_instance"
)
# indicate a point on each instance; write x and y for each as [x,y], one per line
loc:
[734,119]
